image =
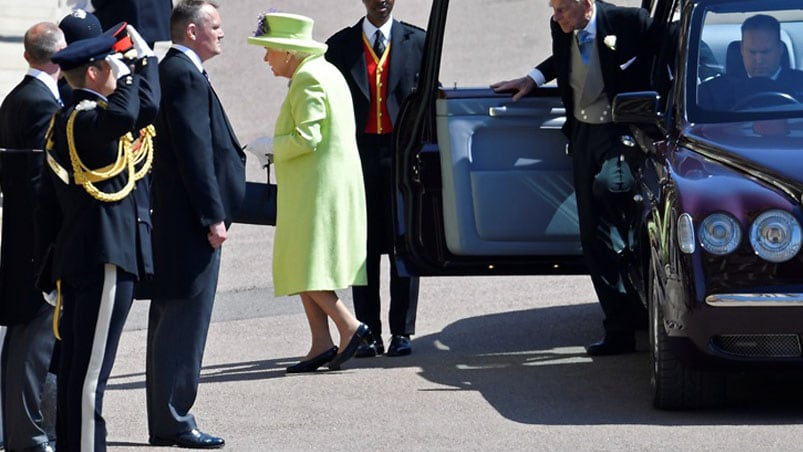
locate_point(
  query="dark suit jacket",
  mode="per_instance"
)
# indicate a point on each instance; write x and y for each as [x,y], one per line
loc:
[632,28]
[198,177]
[722,93]
[24,118]
[85,232]
[151,18]
[346,52]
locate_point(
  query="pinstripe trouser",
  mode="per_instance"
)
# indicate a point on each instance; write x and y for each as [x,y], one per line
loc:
[93,315]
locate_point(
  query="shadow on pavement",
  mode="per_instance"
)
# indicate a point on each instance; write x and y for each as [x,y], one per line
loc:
[230,372]
[531,367]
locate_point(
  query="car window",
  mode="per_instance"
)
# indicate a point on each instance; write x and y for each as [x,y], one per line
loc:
[742,76]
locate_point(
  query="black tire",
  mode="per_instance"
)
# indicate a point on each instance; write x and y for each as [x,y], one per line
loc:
[675,385]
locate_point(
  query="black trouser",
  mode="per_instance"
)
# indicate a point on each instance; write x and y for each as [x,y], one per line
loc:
[177,331]
[93,315]
[375,154]
[27,352]
[603,226]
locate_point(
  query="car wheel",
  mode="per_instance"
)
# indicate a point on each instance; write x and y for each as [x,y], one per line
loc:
[675,385]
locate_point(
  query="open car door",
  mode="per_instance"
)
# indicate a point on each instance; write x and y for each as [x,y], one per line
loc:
[484,184]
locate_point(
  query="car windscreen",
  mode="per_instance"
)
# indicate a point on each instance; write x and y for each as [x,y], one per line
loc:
[745,61]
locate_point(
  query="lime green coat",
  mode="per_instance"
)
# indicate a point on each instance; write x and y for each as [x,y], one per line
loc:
[320,239]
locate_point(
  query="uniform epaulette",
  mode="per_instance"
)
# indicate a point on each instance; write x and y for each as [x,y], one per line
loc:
[412,26]
[86,105]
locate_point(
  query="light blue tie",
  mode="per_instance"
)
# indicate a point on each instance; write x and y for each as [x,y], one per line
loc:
[584,42]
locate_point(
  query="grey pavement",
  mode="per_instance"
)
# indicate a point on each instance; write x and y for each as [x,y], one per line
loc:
[497,362]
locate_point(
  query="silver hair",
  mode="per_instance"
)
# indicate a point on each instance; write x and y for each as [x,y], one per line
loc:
[41,41]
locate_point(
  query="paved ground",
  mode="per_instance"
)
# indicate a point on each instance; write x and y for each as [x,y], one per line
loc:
[498,363]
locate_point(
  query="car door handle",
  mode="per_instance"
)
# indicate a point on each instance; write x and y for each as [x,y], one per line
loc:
[517,112]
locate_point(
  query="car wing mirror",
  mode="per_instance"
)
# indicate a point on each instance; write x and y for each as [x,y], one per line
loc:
[640,109]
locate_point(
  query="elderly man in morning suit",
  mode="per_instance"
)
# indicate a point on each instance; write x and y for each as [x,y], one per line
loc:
[380,58]
[598,51]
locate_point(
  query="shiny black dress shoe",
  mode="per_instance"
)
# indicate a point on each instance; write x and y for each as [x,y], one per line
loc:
[369,350]
[399,346]
[312,364]
[612,345]
[361,336]
[193,439]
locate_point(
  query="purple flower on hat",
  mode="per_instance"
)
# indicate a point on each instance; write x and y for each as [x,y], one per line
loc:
[262,23]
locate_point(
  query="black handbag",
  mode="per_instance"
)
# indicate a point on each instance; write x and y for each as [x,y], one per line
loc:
[259,203]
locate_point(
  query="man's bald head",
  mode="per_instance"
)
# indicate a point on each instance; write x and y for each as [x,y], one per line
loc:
[41,41]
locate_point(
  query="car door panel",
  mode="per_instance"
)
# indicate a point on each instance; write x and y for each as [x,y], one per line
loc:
[507,182]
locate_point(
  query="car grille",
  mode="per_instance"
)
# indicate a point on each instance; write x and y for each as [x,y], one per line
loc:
[759,345]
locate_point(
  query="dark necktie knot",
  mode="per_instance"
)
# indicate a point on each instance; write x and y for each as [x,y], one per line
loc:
[379,44]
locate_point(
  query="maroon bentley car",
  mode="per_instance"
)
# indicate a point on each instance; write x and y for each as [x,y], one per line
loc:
[485,187]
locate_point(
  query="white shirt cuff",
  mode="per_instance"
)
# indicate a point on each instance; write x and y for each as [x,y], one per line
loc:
[537,76]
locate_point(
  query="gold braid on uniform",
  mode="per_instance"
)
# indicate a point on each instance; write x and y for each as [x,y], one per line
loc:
[130,152]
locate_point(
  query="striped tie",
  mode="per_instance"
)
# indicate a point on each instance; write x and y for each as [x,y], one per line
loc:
[379,45]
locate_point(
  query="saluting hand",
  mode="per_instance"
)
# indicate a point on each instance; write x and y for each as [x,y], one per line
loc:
[142,48]
[217,234]
[119,68]
[522,87]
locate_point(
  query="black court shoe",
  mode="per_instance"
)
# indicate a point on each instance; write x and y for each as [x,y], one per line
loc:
[361,336]
[312,364]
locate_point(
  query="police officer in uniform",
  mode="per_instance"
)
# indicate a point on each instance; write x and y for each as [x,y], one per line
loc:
[89,237]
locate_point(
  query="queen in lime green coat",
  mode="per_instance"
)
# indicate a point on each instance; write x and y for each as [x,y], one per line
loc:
[321,232]
[320,241]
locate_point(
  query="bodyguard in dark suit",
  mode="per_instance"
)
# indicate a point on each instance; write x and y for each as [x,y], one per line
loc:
[380,58]
[24,118]
[150,17]
[89,234]
[198,184]
[598,51]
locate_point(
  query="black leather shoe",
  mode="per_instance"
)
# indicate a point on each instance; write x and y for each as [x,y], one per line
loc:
[312,364]
[193,439]
[370,350]
[612,345]
[399,346]
[361,336]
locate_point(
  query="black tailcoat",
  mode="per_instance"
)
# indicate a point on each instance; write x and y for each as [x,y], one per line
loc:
[346,52]
[24,118]
[198,177]
[629,26]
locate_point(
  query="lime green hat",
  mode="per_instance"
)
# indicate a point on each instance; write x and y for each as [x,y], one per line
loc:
[286,32]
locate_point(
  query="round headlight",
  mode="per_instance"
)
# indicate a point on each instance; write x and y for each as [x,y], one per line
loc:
[775,236]
[720,234]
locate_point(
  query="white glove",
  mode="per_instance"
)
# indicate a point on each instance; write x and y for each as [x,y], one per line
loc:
[119,68]
[262,148]
[50,298]
[142,48]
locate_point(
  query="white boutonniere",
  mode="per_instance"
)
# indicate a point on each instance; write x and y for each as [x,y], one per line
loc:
[610,42]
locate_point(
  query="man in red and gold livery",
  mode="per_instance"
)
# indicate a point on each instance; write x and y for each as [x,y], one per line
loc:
[380,58]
